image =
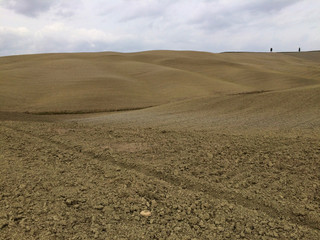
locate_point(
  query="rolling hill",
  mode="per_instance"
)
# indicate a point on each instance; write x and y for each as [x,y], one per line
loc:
[241,89]
[160,145]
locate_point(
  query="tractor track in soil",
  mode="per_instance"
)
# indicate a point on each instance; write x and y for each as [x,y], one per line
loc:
[186,183]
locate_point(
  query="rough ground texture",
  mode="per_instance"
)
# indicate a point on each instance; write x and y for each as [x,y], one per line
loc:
[230,165]
[71,181]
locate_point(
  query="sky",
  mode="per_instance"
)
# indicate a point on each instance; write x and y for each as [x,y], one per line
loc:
[42,26]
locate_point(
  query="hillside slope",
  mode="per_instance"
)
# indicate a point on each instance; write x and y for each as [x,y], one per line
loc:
[96,82]
[92,82]
[223,146]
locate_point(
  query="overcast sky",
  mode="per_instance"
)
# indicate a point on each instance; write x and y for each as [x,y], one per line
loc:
[37,26]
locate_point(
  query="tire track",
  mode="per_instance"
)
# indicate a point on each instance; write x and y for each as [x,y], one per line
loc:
[189,183]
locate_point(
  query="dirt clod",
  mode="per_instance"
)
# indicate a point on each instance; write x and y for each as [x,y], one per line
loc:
[145,213]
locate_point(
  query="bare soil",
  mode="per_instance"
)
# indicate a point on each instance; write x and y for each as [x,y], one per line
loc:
[160,145]
[68,180]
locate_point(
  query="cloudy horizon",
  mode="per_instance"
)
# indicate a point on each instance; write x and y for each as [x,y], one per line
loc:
[45,26]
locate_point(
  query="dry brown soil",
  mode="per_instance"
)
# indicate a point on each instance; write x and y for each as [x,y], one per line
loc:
[235,157]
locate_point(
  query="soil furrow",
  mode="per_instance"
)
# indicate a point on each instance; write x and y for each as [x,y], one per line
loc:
[193,184]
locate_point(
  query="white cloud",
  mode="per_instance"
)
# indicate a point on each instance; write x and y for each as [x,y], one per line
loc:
[134,25]
[35,8]
[61,36]
[14,40]
[30,8]
[58,37]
